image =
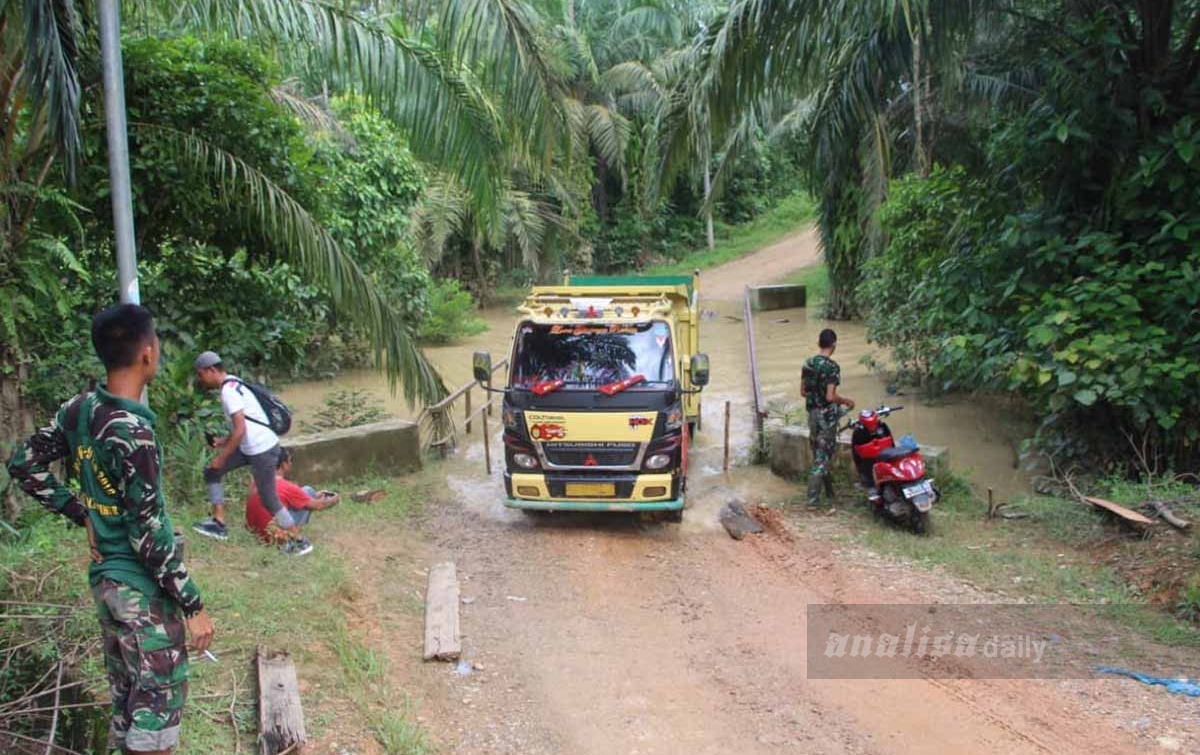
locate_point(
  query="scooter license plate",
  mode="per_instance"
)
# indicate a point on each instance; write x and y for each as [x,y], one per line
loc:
[921,488]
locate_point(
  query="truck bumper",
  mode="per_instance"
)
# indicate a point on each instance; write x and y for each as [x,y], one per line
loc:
[675,504]
[629,492]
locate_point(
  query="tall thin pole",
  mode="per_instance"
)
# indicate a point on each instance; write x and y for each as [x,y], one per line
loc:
[726,465]
[487,449]
[118,150]
[708,215]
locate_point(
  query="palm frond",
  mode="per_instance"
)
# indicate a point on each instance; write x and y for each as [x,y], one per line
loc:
[308,111]
[499,40]
[247,190]
[52,30]
[609,132]
[525,223]
[630,76]
[436,101]
[438,214]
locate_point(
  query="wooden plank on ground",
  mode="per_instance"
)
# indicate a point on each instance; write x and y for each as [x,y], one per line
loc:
[442,639]
[280,717]
[1119,510]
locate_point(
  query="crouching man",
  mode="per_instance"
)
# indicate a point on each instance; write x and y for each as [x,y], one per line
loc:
[299,501]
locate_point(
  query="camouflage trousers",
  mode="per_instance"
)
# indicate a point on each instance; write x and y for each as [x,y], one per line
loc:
[147,664]
[822,438]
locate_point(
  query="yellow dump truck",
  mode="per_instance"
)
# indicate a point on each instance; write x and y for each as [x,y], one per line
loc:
[603,394]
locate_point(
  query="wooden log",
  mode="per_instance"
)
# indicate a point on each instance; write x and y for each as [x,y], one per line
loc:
[442,639]
[1168,516]
[737,522]
[1115,508]
[280,717]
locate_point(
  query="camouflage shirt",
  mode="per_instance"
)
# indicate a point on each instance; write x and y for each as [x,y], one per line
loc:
[113,457]
[818,374]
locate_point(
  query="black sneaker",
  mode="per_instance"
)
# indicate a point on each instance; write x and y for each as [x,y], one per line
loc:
[297,547]
[212,528]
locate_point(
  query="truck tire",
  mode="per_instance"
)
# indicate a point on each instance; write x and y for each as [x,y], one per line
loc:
[674,517]
[691,428]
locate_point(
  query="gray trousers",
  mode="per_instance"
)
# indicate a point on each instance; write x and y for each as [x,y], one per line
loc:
[262,469]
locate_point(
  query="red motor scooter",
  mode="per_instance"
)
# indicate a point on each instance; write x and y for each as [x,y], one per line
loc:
[893,475]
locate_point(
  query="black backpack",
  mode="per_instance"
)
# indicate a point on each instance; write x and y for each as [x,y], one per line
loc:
[279,417]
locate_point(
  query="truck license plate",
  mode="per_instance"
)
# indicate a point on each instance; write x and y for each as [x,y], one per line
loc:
[602,489]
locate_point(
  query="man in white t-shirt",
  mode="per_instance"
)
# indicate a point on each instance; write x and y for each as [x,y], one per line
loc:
[250,443]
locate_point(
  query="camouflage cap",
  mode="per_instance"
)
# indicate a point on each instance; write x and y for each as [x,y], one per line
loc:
[207,359]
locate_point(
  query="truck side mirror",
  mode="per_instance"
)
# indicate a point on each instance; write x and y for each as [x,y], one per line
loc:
[699,370]
[481,364]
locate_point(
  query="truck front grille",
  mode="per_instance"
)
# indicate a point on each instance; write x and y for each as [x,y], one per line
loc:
[599,455]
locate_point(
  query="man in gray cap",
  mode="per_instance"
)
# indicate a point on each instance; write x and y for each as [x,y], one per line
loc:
[250,442]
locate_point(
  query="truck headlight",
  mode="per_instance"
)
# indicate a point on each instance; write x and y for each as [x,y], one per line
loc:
[658,461]
[675,417]
[525,461]
[511,419]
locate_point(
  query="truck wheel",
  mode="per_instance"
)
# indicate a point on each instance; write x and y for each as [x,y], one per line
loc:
[674,517]
[692,428]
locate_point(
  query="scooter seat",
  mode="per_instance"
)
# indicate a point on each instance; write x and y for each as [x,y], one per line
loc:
[895,453]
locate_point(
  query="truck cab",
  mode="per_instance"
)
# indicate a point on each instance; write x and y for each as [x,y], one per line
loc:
[603,395]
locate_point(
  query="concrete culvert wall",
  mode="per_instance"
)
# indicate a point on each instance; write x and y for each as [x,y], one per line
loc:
[788,296]
[790,455]
[391,447]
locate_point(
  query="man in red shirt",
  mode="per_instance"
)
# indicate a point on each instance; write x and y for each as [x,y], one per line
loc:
[300,502]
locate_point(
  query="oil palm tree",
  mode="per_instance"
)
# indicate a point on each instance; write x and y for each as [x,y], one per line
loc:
[435,79]
[849,66]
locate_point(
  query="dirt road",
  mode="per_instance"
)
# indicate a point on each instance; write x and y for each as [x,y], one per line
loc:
[769,264]
[601,635]
[606,635]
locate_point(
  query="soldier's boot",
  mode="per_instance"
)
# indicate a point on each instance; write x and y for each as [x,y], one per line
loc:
[816,481]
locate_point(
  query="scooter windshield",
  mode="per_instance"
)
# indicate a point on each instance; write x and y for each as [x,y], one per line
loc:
[587,356]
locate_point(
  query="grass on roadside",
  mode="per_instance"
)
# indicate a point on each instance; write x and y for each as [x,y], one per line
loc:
[1019,558]
[735,241]
[257,596]
[815,280]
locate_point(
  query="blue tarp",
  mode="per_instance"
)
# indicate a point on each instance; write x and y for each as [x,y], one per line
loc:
[1189,687]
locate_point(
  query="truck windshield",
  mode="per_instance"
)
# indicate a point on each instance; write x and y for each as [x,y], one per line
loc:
[592,355]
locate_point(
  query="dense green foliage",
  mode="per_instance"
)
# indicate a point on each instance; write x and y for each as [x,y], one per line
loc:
[1065,263]
[212,279]
[219,89]
[762,177]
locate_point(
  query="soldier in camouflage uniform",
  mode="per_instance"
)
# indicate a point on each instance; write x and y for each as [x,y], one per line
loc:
[143,593]
[819,380]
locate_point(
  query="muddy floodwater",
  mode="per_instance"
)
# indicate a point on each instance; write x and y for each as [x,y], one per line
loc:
[981,435]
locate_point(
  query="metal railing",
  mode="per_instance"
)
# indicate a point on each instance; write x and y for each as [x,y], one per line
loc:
[760,410]
[438,429]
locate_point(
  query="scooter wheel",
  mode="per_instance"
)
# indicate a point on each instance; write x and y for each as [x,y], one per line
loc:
[919,521]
